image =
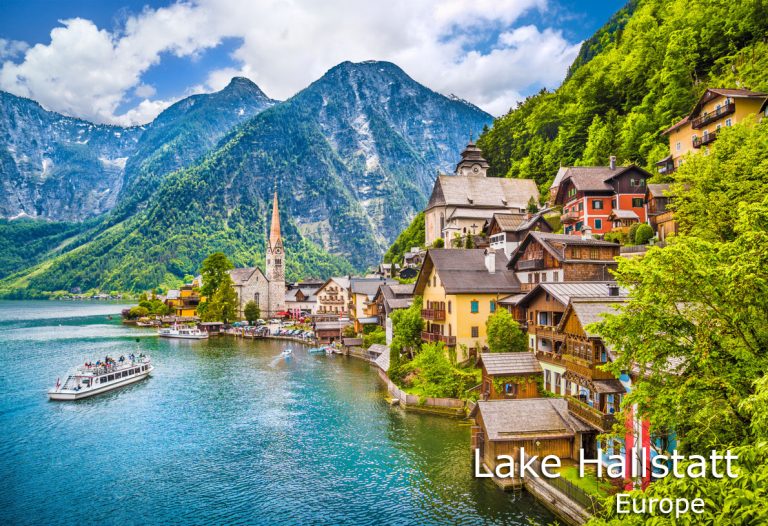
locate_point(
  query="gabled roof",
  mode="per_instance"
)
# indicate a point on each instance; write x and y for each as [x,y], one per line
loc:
[341,281]
[678,124]
[482,192]
[473,213]
[594,178]
[509,222]
[368,286]
[510,363]
[241,276]
[522,419]
[591,310]
[552,244]
[623,214]
[713,93]
[463,271]
[173,294]
[565,291]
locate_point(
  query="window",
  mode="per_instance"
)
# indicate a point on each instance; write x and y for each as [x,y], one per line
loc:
[637,202]
[449,307]
[598,224]
[493,306]
[729,122]
[717,127]
[593,253]
[434,281]
[556,276]
[581,207]
[597,204]
[475,306]
[677,146]
[475,332]
[110,377]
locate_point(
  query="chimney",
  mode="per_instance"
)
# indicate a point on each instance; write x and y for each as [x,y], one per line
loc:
[613,162]
[613,290]
[490,260]
[586,233]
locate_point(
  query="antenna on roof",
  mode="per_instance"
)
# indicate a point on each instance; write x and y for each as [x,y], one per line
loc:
[470,136]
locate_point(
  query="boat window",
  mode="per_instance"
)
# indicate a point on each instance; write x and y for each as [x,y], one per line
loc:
[125,373]
[135,371]
[110,377]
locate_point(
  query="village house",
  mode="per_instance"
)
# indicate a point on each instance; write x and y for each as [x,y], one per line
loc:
[362,307]
[267,290]
[183,301]
[717,108]
[590,194]
[414,258]
[388,270]
[301,298]
[461,204]
[542,426]
[459,290]
[333,297]
[389,298]
[506,231]
[661,220]
[551,258]
[509,375]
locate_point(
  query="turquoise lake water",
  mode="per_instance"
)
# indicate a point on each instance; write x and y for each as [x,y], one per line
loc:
[224,432]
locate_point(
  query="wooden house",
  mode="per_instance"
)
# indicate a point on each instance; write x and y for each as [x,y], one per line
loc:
[510,375]
[542,426]
[505,232]
[553,258]
[660,218]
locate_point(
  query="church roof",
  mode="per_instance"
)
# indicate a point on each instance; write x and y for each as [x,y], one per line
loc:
[274,229]
[483,192]
[472,155]
[241,276]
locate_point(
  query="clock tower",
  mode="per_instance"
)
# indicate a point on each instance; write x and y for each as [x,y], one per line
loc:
[472,163]
[275,264]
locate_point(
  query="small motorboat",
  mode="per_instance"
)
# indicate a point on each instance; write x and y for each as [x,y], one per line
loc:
[316,350]
[287,353]
[96,378]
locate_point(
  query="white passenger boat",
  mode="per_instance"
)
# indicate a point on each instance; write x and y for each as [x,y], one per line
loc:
[102,376]
[182,332]
[287,353]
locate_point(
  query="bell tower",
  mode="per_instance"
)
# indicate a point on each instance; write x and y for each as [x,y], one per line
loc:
[275,263]
[472,163]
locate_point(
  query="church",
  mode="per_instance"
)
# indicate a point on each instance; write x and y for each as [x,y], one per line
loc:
[267,290]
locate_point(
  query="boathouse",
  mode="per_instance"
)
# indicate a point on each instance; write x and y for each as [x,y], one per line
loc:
[509,375]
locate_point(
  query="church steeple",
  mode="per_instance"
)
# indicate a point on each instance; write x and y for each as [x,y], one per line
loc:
[274,230]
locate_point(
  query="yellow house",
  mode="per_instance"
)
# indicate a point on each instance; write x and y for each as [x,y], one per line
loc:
[184,301]
[460,289]
[716,109]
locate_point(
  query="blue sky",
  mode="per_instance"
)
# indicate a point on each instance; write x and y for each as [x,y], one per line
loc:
[132,58]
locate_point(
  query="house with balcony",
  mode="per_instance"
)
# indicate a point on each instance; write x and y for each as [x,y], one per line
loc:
[460,289]
[388,299]
[589,194]
[184,301]
[363,309]
[544,307]
[554,258]
[509,375]
[461,203]
[333,297]
[506,231]
[717,108]
[660,218]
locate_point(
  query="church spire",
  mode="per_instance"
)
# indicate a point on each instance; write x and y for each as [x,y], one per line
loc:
[274,231]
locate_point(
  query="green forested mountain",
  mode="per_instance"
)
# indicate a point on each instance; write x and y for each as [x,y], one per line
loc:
[352,157]
[640,73]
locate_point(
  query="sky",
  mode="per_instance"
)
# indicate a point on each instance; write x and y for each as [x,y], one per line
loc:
[124,61]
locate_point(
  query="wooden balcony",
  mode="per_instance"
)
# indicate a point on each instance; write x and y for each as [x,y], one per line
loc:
[585,368]
[550,357]
[549,332]
[698,142]
[433,314]
[589,414]
[570,217]
[431,337]
[530,264]
[712,116]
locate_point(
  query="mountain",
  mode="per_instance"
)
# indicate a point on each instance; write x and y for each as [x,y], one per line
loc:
[638,75]
[352,156]
[66,169]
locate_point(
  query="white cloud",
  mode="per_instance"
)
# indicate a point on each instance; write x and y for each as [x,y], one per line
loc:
[11,49]
[89,72]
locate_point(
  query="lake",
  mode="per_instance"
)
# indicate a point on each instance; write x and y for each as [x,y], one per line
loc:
[225,431]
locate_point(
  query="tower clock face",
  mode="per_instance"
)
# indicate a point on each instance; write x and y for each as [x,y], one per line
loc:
[476,169]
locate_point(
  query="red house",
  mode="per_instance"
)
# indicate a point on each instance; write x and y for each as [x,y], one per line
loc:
[588,195]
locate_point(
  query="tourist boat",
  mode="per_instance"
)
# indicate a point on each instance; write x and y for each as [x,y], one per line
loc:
[287,353]
[92,379]
[182,332]
[317,350]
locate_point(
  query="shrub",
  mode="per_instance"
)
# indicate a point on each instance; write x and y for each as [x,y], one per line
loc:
[632,232]
[138,312]
[375,336]
[504,334]
[643,234]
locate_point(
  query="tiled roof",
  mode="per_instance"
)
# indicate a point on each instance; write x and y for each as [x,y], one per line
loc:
[593,178]
[592,310]
[510,363]
[464,271]
[624,214]
[483,192]
[368,286]
[521,419]
[242,275]
[729,92]
[551,243]
[173,294]
[677,125]
[474,213]
[658,190]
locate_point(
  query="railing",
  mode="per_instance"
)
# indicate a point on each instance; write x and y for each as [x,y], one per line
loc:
[587,371]
[433,314]
[431,337]
[551,357]
[589,414]
[666,168]
[530,264]
[570,217]
[698,142]
[549,331]
[591,503]
[705,119]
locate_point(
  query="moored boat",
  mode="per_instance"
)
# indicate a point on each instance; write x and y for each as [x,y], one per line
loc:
[99,377]
[182,332]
